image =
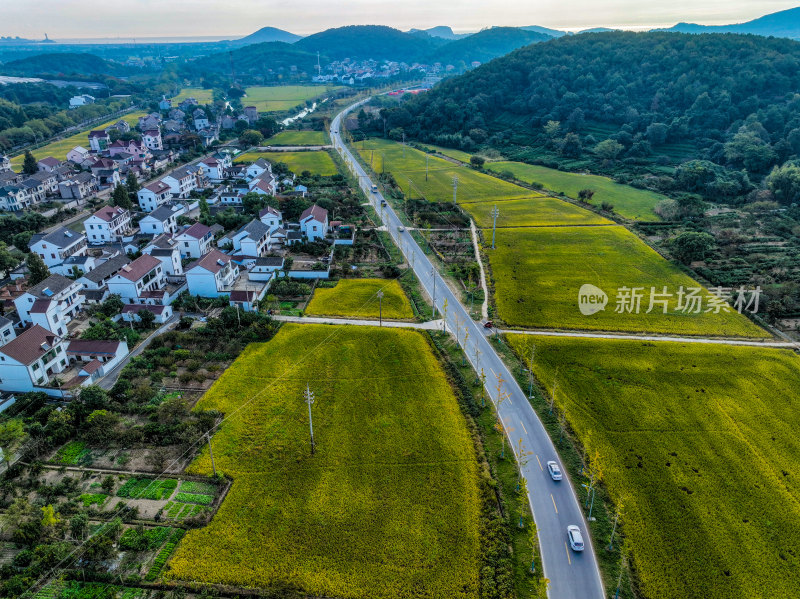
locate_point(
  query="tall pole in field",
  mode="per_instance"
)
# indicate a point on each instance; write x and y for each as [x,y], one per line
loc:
[495,214]
[433,274]
[455,188]
[380,306]
[211,453]
[530,373]
[426,166]
[309,397]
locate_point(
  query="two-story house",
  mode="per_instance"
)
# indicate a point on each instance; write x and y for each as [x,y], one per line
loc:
[314,222]
[78,155]
[14,198]
[194,241]
[145,274]
[53,303]
[169,255]
[107,225]
[257,168]
[57,246]
[216,166]
[78,187]
[48,164]
[152,139]
[252,239]
[161,220]
[212,276]
[181,181]
[31,359]
[153,195]
[99,141]
[264,184]
[272,217]
[200,119]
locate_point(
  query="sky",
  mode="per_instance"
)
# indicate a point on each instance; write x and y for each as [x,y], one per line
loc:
[62,19]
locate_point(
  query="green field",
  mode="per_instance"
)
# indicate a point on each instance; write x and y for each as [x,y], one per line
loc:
[357,298]
[283,97]
[538,272]
[58,149]
[408,167]
[455,154]
[389,505]
[539,211]
[699,444]
[298,138]
[628,202]
[203,96]
[317,162]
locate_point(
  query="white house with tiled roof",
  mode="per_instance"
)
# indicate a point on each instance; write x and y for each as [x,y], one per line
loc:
[58,245]
[145,274]
[107,225]
[212,276]
[31,359]
[52,304]
[314,222]
[152,139]
[195,241]
[153,195]
[216,166]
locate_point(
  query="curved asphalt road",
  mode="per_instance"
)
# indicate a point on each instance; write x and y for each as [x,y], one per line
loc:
[554,504]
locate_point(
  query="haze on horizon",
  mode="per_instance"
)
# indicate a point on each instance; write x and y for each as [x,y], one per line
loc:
[64,19]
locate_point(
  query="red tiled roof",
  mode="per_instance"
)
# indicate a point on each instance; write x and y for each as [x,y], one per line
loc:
[139,267]
[50,161]
[197,230]
[40,306]
[92,367]
[127,308]
[98,133]
[30,345]
[319,213]
[242,296]
[211,261]
[109,213]
[157,186]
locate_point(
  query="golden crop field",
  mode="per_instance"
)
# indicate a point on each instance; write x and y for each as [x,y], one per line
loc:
[317,162]
[298,138]
[387,508]
[540,211]
[358,298]
[203,96]
[698,444]
[282,97]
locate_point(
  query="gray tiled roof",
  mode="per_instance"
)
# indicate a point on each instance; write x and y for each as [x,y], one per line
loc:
[61,237]
[107,268]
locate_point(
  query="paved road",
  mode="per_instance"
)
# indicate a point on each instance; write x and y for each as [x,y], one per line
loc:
[555,505]
[431,325]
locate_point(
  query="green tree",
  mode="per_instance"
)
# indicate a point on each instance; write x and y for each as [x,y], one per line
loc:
[102,426]
[12,434]
[784,183]
[7,259]
[132,184]
[146,318]
[253,202]
[477,161]
[37,269]
[29,164]
[108,484]
[608,149]
[251,137]
[571,146]
[692,245]
[79,525]
[120,197]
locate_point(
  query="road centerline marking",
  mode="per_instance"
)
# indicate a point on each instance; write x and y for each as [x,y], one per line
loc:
[540,462]
[522,424]
[567,550]
[555,507]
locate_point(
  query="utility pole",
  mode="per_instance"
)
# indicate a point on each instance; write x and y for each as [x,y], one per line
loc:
[495,214]
[427,156]
[211,453]
[404,144]
[309,397]
[455,188]
[380,306]
[444,316]
[433,274]
[530,372]
[553,395]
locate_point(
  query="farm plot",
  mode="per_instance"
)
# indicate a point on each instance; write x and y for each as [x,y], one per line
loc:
[358,298]
[298,138]
[283,97]
[203,96]
[408,167]
[628,202]
[699,444]
[58,149]
[538,273]
[317,162]
[388,507]
[533,212]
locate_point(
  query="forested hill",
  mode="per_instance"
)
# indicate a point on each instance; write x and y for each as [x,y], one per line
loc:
[487,44]
[732,97]
[63,64]
[369,41]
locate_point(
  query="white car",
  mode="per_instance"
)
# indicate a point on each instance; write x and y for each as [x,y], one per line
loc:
[554,470]
[575,537]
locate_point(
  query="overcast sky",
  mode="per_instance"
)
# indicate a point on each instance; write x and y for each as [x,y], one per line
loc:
[155,18]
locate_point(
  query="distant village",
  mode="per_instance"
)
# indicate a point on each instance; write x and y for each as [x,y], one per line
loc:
[149,255]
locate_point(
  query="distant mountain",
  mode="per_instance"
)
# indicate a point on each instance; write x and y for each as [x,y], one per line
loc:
[597,30]
[780,24]
[63,63]
[269,34]
[442,31]
[368,41]
[545,30]
[487,45]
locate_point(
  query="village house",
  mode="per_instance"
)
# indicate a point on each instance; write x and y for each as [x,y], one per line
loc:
[264,184]
[75,265]
[48,180]
[52,304]
[194,241]
[152,139]
[106,172]
[314,222]
[35,189]
[78,155]
[130,312]
[212,276]
[107,225]
[265,267]
[252,239]
[5,163]
[98,277]
[257,168]
[161,220]
[170,257]
[149,122]
[99,141]
[57,246]
[182,181]
[272,217]
[143,275]
[81,100]
[79,187]
[251,112]
[216,166]
[101,357]
[14,198]
[7,332]
[153,195]
[200,119]
[48,164]
[31,359]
